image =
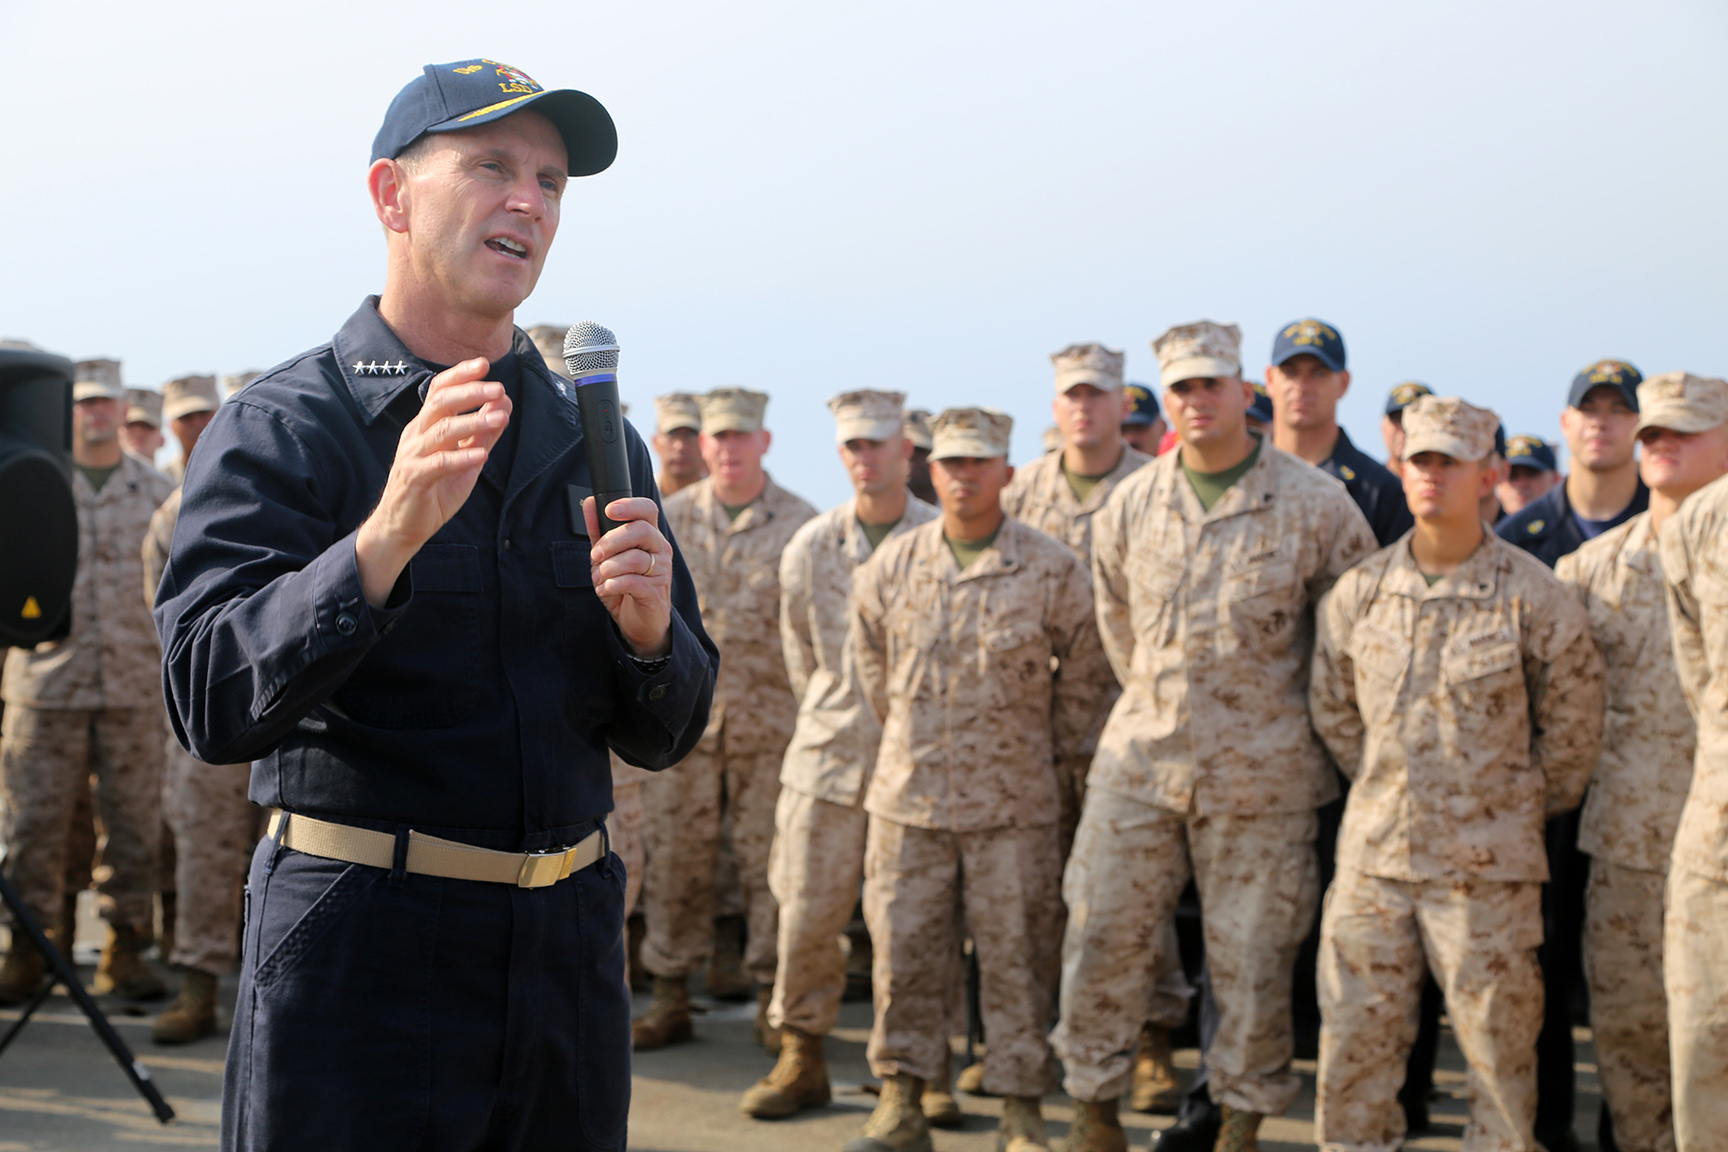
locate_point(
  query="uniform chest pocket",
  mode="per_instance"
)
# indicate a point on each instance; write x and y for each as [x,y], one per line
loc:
[1016,656]
[1155,575]
[1259,580]
[421,674]
[1257,604]
[1475,657]
[1379,650]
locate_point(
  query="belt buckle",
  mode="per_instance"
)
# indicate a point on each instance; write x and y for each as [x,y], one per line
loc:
[540,869]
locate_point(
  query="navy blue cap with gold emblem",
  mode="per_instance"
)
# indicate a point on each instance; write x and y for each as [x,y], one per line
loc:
[1615,374]
[469,93]
[1309,337]
[1405,394]
[1145,409]
[1527,451]
[1261,409]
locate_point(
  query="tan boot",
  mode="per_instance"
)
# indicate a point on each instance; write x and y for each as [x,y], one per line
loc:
[799,1079]
[122,971]
[766,1034]
[1155,1087]
[667,1020]
[1096,1128]
[725,979]
[971,1079]
[21,974]
[1239,1132]
[898,1124]
[192,1016]
[1022,1127]
[940,1107]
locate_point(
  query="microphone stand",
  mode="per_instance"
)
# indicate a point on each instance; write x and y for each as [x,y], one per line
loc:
[25,921]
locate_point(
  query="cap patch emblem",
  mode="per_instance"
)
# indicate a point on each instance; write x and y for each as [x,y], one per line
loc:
[1523,446]
[1137,392]
[514,79]
[1407,393]
[1608,372]
[1309,332]
[1535,526]
[469,70]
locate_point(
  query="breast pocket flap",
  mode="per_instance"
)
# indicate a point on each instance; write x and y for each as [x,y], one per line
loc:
[1473,657]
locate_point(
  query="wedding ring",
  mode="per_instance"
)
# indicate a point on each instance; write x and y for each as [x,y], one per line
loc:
[651,559]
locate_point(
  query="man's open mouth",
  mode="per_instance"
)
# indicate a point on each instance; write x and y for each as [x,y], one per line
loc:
[508,247]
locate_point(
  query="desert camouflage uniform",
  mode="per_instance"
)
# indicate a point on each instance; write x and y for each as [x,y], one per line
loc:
[1465,714]
[736,568]
[1695,929]
[1041,497]
[92,702]
[1206,766]
[817,863]
[214,825]
[1636,795]
[624,828]
[963,800]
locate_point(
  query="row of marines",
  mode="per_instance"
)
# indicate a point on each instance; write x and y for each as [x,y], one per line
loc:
[1030,716]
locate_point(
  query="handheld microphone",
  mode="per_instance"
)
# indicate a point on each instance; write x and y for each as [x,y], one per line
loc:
[591,354]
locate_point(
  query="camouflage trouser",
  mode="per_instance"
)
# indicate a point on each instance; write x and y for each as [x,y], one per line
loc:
[683,837]
[1258,880]
[1628,1008]
[624,828]
[1694,943]
[215,829]
[923,890]
[815,872]
[1377,939]
[46,755]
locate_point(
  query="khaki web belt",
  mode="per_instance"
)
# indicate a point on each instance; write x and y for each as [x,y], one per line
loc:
[432,856]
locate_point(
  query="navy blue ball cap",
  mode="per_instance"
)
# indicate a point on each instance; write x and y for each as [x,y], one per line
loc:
[1615,374]
[1529,451]
[469,93]
[1309,337]
[1261,409]
[1405,394]
[1145,410]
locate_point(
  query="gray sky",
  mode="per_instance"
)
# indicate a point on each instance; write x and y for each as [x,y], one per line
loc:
[932,197]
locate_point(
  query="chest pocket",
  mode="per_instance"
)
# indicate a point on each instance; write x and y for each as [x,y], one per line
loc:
[1480,655]
[1256,602]
[1016,655]
[1377,649]
[414,677]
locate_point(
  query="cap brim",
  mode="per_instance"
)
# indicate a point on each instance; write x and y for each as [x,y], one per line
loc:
[1139,419]
[878,430]
[966,448]
[590,137]
[714,425]
[1580,393]
[1325,358]
[1527,462]
[1677,418]
[95,390]
[1452,446]
[1097,380]
[1198,368]
[187,407]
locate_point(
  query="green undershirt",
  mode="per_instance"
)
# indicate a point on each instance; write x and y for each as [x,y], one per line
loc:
[1083,486]
[97,476]
[733,511]
[1432,579]
[966,551]
[876,533]
[1211,486]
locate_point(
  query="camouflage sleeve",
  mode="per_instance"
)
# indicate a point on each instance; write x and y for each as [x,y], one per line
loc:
[1084,683]
[1568,695]
[1347,544]
[866,646]
[795,641]
[1683,614]
[1110,586]
[1332,682]
[158,542]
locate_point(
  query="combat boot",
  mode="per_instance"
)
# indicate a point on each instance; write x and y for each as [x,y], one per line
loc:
[940,1107]
[122,970]
[667,1020]
[21,974]
[192,1016]
[1022,1127]
[898,1124]
[799,1079]
[766,1034]
[725,979]
[971,1079]
[1096,1128]
[1155,1087]
[1240,1131]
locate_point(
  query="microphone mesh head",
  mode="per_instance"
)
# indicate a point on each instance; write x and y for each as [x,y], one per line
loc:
[589,348]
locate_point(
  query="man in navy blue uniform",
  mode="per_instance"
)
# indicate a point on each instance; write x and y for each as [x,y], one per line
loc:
[388,592]
[1601,491]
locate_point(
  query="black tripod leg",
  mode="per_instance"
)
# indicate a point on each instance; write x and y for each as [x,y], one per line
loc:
[24,1016]
[139,1075]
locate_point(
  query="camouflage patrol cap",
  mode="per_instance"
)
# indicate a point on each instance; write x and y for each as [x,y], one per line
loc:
[144,406]
[732,410]
[189,394]
[1091,364]
[1405,394]
[235,381]
[1682,402]
[97,380]
[1200,349]
[549,339]
[980,433]
[1450,426]
[918,428]
[868,415]
[675,410]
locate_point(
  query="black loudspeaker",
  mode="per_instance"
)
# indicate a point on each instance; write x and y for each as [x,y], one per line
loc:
[38,520]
